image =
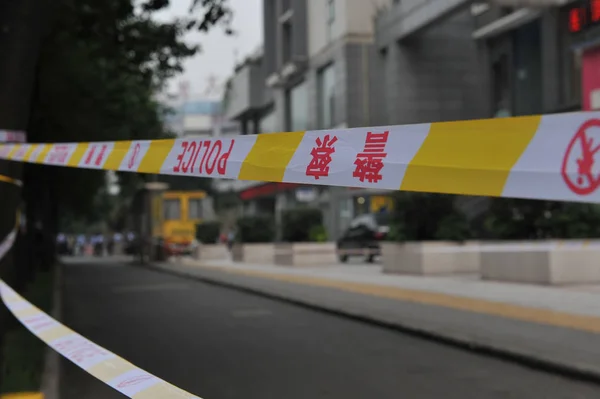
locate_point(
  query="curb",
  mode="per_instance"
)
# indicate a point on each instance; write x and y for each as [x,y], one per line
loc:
[446,338]
[51,374]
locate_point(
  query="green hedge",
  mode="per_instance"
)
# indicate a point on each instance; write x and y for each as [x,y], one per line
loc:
[301,225]
[424,217]
[208,232]
[255,229]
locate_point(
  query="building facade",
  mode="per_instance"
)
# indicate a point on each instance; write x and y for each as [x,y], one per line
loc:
[199,118]
[349,63]
[432,73]
[541,60]
[318,74]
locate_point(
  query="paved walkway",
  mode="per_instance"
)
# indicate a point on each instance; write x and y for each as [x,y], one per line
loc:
[556,327]
[575,300]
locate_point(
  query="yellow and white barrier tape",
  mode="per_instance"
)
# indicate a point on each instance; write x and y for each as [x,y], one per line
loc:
[12,136]
[553,157]
[106,366]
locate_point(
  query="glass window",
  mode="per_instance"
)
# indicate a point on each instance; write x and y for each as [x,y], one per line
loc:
[330,18]
[268,123]
[501,87]
[287,43]
[326,81]
[298,108]
[172,209]
[195,209]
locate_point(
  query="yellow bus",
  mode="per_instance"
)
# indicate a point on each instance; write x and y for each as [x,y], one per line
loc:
[181,212]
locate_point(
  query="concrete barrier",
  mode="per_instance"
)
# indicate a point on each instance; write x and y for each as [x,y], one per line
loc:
[263,253]
[542,263]
[306,254]
[211,252]
[432,257]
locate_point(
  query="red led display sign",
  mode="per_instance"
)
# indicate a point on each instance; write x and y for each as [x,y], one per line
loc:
[584,14]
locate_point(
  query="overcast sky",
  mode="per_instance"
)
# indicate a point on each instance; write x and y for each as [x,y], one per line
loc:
[218,54]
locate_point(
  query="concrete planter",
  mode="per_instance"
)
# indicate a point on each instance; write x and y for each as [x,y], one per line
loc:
[306,254]
[541,263]
[432,257]
[262,254]
[211,252]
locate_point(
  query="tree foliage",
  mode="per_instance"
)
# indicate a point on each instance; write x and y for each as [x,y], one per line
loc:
[100,69]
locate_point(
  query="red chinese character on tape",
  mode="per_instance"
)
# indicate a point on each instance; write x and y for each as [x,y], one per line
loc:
[369,163]
[136,151]
[582,152]
[321,157]
[99,157]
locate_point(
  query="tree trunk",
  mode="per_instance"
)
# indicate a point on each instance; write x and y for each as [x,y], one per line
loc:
[22,26]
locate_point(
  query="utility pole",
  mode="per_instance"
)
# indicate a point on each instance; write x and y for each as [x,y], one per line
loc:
[23,24]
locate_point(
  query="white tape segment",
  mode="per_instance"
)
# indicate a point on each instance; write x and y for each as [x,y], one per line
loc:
[106,366]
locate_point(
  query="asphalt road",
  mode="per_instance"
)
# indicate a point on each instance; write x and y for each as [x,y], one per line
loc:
[219,344]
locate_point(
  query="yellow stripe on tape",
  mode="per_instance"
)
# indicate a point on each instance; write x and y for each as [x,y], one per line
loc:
[14,150]
[30,151]
[117,155]
[269,157]
[78,154]
[156,155]
[10,180]
[43,153]
[24,395]
[471,157]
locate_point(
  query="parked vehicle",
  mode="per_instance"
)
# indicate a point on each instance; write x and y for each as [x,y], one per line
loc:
[182,211]
[363,236]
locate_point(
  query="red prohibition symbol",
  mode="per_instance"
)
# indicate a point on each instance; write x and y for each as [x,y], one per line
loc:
[585,182]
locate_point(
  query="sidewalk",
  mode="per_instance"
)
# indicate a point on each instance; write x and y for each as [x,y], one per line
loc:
[557,328]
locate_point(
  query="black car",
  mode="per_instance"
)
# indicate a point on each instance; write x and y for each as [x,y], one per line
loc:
[363,236]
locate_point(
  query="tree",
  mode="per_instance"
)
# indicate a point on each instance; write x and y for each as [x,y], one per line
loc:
[21,22]
[99,72]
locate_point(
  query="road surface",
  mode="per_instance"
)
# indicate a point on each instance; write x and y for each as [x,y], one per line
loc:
[220,344]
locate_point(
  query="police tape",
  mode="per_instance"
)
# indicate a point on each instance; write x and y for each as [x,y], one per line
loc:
[540,157]
[10,180]
[106,366]
[12,136]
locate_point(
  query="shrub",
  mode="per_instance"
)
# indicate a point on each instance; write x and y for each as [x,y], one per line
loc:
[208,232]
[318,234]
[255,229]
[424,216]
[298,223]
[454,227]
